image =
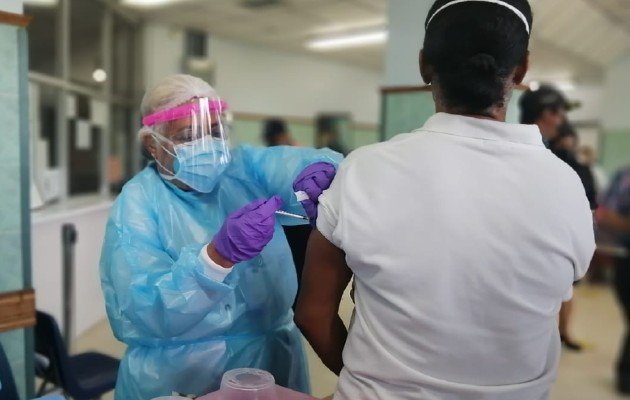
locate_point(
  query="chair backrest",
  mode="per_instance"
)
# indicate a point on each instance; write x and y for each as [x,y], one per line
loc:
[8,390]
[49,343]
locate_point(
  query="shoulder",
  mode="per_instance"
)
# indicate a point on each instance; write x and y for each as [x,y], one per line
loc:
[138,194]
[373,153]
[559,171]
[143,184]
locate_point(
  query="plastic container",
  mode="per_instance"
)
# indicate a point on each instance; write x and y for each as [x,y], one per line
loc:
[248,384]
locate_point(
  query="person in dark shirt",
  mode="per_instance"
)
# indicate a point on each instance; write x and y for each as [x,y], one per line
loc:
[614,217]
[564,146]
[547,107]
[276,133]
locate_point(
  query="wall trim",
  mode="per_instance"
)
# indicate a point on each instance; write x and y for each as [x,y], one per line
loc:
[424,88]
[7,18]
[17,310]
[245,116]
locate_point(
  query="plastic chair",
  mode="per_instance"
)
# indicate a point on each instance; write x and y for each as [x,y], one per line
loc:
[8,390]
[83,377]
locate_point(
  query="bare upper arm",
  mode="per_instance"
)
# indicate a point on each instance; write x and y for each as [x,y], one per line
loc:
[324,279]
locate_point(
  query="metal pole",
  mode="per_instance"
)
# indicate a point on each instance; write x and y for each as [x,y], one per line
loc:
[69,238]
[63,70]
[107,131]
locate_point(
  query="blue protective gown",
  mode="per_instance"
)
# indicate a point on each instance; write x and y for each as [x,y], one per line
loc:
[182,328]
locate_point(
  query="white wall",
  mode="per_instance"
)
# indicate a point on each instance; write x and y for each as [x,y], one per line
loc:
[260,80]
[47,268]
[163,49]
[616,113]
[406,36]
[591,98]
[266,81]
[12,6]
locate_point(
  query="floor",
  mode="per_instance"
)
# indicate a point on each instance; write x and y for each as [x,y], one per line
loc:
[582,376]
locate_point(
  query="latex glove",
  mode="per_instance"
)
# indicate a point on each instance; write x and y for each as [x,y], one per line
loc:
[313,180]
[246,232]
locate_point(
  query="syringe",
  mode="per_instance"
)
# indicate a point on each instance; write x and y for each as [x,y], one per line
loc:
[291,215]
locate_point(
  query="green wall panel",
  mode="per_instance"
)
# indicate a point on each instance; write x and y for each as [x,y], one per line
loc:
[14,199]
[249,131]
[405,112]
[615,150]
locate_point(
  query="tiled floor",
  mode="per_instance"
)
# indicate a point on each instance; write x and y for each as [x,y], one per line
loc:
[582,376]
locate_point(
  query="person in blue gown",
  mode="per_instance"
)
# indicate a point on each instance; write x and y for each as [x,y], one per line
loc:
[195,268]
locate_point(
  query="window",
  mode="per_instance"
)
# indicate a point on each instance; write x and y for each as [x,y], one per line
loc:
[82,110]
[42,32]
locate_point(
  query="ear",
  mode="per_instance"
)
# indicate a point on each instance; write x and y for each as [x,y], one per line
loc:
[426,71]
[521,70]
[149,144]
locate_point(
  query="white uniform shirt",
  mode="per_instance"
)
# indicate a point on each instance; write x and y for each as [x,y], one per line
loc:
[464,238]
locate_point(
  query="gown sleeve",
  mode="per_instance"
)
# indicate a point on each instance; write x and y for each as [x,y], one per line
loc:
[275,168]
[148,293]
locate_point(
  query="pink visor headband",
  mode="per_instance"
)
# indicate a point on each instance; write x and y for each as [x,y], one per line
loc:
[182,111]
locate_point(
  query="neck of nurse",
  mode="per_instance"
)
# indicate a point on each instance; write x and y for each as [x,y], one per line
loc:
[494,113]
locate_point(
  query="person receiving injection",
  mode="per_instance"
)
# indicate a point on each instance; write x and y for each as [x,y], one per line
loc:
[196,271]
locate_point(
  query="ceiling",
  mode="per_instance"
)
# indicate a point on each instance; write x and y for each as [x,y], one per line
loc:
[572,39]
[286,25]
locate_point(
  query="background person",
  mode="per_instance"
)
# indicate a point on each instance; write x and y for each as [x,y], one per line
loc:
[614,217]
[547,108]
[463,237]
[564,146]
[276,133]
[588,156]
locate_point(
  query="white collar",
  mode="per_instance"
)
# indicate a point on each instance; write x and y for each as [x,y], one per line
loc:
[477,128]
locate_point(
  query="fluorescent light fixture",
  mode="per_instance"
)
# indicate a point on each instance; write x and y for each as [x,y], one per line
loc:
[534,86]
[565,86]
[99,75]
[148,3]
[365,25]
[346,41]
[44,3]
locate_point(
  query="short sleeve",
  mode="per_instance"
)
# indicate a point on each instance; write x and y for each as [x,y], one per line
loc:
[568,295]
[329,210]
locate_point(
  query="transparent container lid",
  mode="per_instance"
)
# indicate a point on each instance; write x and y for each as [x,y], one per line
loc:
[248,384]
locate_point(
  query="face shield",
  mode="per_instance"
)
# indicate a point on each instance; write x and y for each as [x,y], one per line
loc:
[192,142]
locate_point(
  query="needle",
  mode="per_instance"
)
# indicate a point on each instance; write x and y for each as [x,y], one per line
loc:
[291,215]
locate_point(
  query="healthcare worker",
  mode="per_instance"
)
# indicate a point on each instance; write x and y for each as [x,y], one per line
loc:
[464,236]
[196,271]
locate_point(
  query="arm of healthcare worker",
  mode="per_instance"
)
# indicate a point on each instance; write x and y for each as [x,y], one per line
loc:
[151,296]
[324,279]
[276,168]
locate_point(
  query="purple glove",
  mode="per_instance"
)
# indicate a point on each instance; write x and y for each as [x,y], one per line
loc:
[313,180]
[246,232]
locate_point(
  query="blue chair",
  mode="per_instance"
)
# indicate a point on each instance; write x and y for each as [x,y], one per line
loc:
[82,377]
[8,390]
